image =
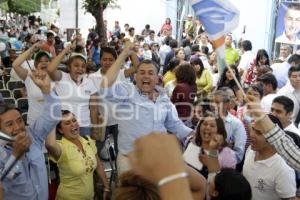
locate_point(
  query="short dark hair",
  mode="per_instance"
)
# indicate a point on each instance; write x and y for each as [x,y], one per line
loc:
[108,50]
[268,78]
[294,58]
[131,29]
[232,185]
[195,48]
[186,43]
[63,112]
[50,34]
[294,69]
[4,107]
[223,94]
[167,40]
[173,63]
[147,61]
[294,6]
[258,87]
[287,103]
[205,50]
[247,45]
[173,43]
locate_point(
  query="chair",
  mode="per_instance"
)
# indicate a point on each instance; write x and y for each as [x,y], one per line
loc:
[5,93]
[11,85]
[17,93]
[2,85]
[9,101]
[22,104]
[8,69]
[6,78]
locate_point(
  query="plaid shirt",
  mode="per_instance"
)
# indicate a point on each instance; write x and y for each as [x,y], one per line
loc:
[284,146]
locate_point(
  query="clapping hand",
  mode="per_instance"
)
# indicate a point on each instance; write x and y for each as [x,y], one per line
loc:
[42,80]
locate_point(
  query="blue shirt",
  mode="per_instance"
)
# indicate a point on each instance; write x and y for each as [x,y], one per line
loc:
[28,178]
[236,135]
[138,116]
[96,55]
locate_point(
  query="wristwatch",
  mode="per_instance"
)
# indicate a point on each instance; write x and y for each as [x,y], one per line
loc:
[213,153]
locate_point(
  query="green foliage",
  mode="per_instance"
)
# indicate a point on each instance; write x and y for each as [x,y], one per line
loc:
[24,7]
[92,5]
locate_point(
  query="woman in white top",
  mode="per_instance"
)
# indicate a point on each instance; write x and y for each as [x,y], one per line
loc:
[35,96]
[77,92]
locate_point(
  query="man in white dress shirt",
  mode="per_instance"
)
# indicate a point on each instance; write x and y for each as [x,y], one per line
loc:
[292,90]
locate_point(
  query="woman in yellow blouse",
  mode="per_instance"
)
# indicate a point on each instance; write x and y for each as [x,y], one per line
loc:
[170,75]
[77,159]
[204,79]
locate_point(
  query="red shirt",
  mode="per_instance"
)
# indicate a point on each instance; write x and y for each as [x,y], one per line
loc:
[49,48]
[184,93]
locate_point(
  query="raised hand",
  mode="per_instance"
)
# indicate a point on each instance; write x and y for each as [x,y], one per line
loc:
[216,142]
[254,107]
[156,156]
[36,46]
[42,80]
[128,46]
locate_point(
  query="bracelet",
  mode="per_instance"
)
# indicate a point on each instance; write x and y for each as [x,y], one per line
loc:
[261,119]
[171,178]
[211,176]
[213,154]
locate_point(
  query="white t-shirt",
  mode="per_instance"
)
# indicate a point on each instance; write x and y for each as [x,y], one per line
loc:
[76,98]
[292,128]
[106,108]
[294,95]
[270,179]
[35,99]
[29,64]
[246,60]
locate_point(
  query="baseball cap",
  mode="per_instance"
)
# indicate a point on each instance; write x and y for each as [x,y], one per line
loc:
[78,55]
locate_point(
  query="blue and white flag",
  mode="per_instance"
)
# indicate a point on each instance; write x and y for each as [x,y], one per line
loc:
[219,17]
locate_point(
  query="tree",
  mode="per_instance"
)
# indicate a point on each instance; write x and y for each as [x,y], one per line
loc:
[96,8]
[24,7]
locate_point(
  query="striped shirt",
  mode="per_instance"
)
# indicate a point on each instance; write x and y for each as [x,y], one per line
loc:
[284,146]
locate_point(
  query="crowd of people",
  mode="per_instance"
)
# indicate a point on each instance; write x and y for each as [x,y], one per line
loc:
[182,127]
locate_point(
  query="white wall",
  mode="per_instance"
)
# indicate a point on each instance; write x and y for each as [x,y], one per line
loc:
[68,20]
[138,13]
[257,15]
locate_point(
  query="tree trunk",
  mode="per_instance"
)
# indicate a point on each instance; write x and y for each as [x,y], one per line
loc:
[100,28]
